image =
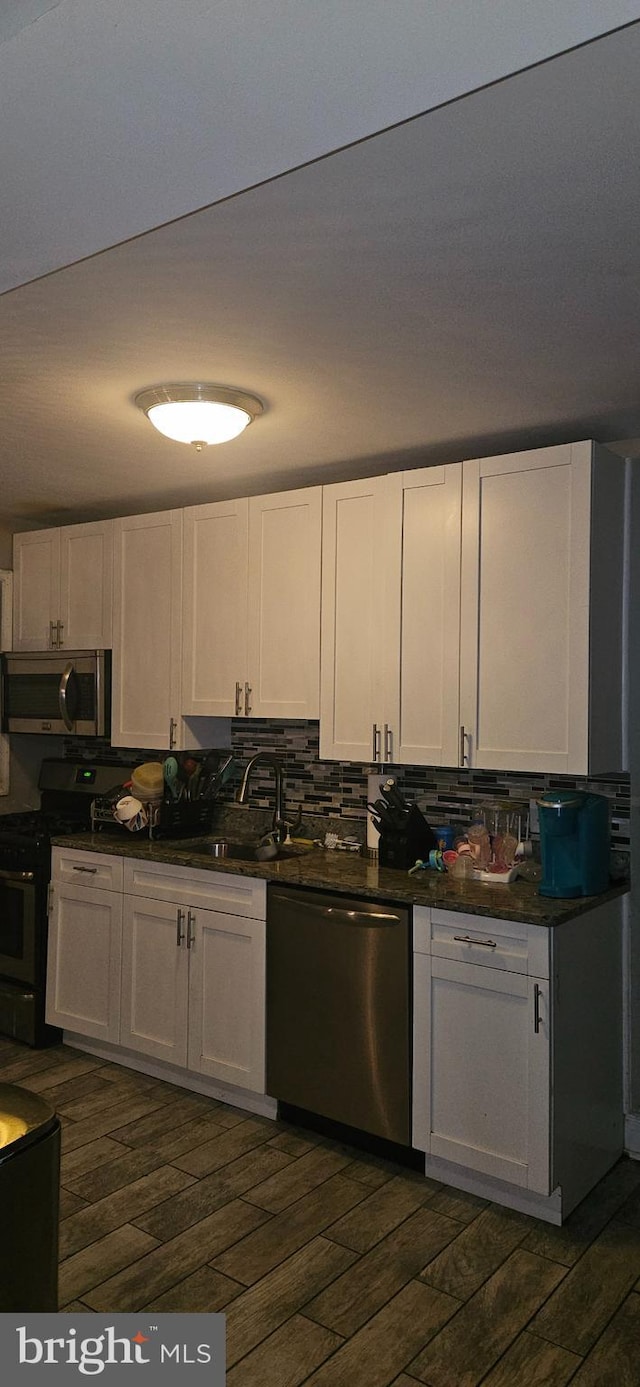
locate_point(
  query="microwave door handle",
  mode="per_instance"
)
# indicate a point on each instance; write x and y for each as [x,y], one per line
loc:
[63,691]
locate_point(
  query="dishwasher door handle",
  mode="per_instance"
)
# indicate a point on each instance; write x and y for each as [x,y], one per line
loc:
[350,917]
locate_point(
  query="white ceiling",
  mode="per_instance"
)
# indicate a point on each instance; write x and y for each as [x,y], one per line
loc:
[466,283]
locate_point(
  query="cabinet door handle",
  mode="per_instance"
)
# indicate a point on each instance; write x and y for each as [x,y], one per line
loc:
[49,898]
[91,871]
[247,700]
[53,625]
[376,742]
[537,994]
[179,927]
[191,929]
[463,754]
[468,939]
[172,733]
[388,742]
[238,699]
[60,626]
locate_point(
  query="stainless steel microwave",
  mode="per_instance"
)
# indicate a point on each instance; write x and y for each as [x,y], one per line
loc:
[66,692]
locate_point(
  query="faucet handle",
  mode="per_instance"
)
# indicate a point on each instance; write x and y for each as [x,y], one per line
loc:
[296,824]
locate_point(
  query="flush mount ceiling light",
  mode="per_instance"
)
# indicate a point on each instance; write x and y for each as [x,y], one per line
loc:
[198,414]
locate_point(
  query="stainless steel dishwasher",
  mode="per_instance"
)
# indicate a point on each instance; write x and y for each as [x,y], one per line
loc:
[338,1009]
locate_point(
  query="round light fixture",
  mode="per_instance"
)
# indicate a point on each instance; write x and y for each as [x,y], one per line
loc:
[198,414]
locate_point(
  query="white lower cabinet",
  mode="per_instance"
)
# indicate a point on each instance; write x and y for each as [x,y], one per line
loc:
[517,1051]
[85,943]
[193,971]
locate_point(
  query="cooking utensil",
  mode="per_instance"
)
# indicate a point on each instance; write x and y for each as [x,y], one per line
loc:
[171,772]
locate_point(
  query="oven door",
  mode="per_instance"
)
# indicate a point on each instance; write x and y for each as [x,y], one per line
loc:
[18,952]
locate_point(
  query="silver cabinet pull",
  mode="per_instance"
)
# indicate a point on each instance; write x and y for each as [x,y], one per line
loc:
[191,929]
[52,634]
[467,939]
[463,755]
[247,700]
[388,742]
[172,733]
[60,628]
[376,742]
[179,927]
[238,699]
[537,994]
[91,871]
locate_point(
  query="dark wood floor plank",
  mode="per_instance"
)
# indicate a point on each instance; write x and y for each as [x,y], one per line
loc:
[581,1307]
[285,1233]
[484,1328]
[168,1116]
[204,1196]
[173,1261]
[615,1359]
[534,1363]
[204,1290]
[358,1294]
[94,1157]
[459,1204]
[59,1073]
[374,1176]
[106,1123]
[379,1351]
[382,1211]
[222,1149]
[297,1179]
[101,1260]
[287,1357]
[567,1244]
[477,1252]
[124,1206]
[294,1143]
[70,1203]
[81,1105]
[131,1164]
[270,1302]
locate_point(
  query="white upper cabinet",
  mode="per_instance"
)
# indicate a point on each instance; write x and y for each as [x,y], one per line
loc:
[63,588]
[147,645]
[252,606]
[541,611]
[390,609]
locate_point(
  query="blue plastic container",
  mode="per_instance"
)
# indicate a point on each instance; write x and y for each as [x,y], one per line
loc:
[574,843]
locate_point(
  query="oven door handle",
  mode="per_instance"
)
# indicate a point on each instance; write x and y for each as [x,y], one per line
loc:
[63,696]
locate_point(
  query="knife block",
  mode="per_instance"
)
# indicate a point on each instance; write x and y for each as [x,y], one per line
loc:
[403,848]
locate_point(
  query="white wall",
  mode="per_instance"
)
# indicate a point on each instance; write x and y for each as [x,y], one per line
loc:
[118,115]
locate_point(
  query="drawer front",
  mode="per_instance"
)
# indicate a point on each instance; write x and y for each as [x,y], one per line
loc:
[504,944]
[93,869]
[225,891]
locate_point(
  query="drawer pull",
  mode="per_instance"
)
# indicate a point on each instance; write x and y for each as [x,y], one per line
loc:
[467,939]
[91,871]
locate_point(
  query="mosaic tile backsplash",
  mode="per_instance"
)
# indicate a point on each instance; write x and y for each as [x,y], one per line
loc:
[338,789]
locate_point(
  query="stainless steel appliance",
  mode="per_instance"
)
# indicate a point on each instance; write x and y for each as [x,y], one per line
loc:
[338,1009]
[67,790]
[66,692]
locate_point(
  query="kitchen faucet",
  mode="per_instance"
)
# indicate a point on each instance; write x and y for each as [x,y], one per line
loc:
[279,826]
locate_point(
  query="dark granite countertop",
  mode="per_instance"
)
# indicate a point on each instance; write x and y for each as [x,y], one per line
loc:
[359,876]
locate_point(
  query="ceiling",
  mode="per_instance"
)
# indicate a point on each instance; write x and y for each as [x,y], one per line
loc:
[465,283]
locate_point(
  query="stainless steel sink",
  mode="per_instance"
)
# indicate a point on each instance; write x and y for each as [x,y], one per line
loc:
[248,852]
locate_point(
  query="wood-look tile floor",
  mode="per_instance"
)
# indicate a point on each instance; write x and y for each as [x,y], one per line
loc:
[333,1268]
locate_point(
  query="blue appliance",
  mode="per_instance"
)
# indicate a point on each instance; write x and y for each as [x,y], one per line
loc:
[574,843]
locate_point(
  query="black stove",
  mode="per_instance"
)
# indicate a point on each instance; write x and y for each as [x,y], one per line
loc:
[67,790]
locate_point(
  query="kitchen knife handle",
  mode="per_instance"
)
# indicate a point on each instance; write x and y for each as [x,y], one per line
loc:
[388,742]
[376,742]
[247,700]
[238,699]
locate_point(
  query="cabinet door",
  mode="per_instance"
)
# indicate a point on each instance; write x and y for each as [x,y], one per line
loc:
[481,1070]
[215,609]
[36,589]
[227,999]
[284,604]
[86,586]
[524,672]
[147,646]
[422,702]
[154,979]
[84,953]
[360,561]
